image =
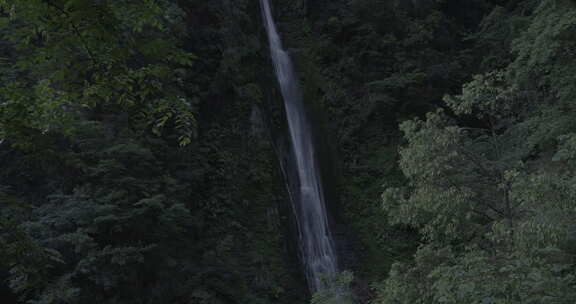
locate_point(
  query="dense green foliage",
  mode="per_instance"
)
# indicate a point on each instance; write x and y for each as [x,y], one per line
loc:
[139,146]
[131,165]
[494,200]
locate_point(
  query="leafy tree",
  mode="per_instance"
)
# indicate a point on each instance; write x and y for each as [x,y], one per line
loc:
[133,182]
[77,55]
[494,200]
[494,228]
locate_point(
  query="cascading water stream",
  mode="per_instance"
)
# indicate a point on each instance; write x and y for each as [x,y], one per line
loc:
[316,244]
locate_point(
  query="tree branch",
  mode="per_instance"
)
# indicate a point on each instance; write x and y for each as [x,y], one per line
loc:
[76,31]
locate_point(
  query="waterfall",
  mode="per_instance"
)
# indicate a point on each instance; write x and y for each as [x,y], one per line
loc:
[307,196]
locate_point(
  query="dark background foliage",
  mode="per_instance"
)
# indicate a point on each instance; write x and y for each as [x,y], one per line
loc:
[142,142]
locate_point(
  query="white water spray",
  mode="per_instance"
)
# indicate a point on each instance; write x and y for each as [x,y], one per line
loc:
[316,245]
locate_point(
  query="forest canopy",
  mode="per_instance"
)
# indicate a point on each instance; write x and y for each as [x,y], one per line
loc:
[143,145]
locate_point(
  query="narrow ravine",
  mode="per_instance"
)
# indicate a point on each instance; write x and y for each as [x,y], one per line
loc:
[316,243]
